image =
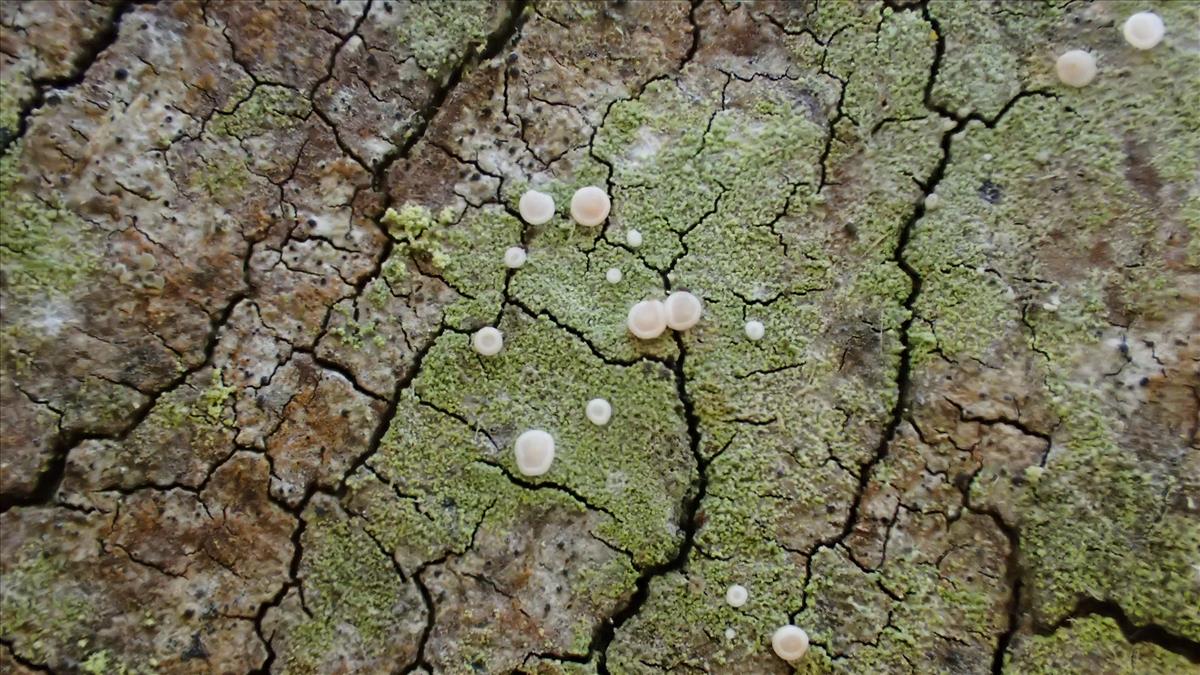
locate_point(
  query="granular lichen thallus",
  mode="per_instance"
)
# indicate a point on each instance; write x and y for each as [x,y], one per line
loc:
[600,337]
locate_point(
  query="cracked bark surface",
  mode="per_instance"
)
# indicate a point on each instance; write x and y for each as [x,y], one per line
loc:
[245,245]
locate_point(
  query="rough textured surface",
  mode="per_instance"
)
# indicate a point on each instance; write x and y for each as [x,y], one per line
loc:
[245,245]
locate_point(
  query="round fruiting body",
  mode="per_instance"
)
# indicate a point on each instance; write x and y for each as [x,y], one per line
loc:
[755,330]
[683,310]
[487,341]
[598,411]
[1076,68]
[537,208]
[737,595]
[590,206]
[647,319]
[514,257]
[789,642]
[1143,30]
[534,452]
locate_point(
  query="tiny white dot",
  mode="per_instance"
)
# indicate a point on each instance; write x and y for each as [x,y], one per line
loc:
[598,411]
[1076,68]
[633,238]
[613,275]
[487,341]
[730,633]
[755,330]
[514,257]
[534,452]
[737,595]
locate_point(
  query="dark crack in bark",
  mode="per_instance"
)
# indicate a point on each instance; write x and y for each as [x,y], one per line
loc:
[1132,632]
[474,53]
[92,48]
[690,522]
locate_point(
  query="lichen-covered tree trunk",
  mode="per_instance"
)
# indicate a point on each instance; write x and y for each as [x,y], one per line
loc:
[245,246]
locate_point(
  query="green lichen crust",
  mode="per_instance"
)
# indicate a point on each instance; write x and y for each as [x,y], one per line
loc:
[1012,250]
[48,249]
[1092,644]
[246,247]
[636,468]
[264,108]
[438,34]
[353,600]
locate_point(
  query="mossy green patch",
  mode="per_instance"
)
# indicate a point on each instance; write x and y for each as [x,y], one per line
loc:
[545,665]
[638,467]
[439,34]
[732,161]
[220,178]
[103,663]
[1091,644]
[1051,226]
[269,108]
[47,247]
[569,283]
[353,333]
[11,99]
[1125,543]
[437,486]
[212,400]
[351,593]
[883,61]
[986,53]
[684,622]
[25,609]
[467,253]
[767,496]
